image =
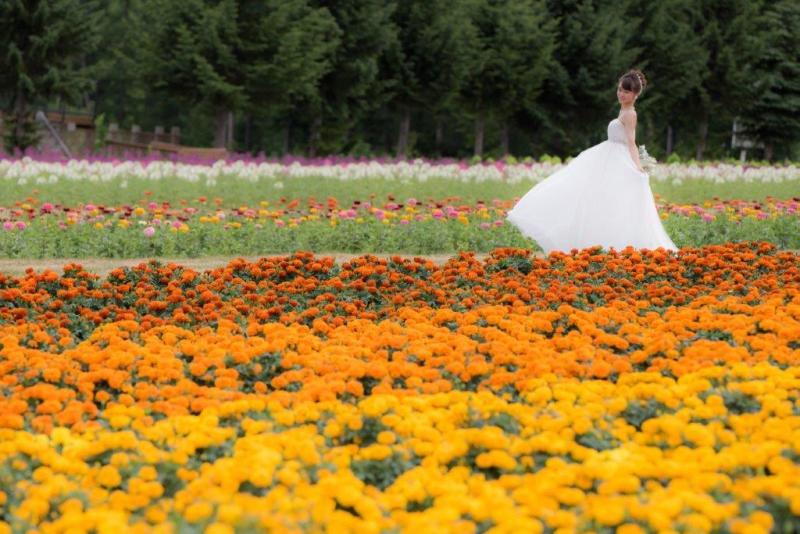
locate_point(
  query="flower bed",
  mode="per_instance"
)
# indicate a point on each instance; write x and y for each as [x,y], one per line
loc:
[623,392]
[34,171]
[198,227]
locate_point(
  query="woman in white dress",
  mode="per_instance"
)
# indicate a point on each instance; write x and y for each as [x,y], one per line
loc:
[602,197]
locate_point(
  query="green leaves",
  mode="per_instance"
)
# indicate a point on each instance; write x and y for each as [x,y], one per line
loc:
[46,45]
[772,116]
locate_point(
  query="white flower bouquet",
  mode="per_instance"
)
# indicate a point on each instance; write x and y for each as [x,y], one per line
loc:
[648,162]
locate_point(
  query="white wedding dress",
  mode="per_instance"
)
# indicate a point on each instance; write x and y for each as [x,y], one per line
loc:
[600,198]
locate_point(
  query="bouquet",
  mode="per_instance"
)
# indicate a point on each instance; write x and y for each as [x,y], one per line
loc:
[648,162]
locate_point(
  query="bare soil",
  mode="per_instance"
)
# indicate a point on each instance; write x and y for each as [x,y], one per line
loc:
[102,266]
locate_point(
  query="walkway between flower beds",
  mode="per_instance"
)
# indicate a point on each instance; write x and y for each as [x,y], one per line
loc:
[102,266]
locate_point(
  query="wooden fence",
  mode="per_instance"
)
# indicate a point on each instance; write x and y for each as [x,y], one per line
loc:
[79,134]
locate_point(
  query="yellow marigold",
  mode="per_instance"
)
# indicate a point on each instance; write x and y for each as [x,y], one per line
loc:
[376,452]
[198,511]
[148,472]
[119,421]
[794,504]
[609,512]
[762,518]
[355,422]
[288,477]
[218,528]
[333,429]
[109,477]
[630,528]
[119,459]
[285,418]
[569,496]
[386,437]
[698,522]
[564,519]
[155,515]
[34,509]
[71,506]
[229,513]
[42,473]
[495,458]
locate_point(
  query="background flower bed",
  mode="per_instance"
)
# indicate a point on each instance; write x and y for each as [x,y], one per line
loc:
[625,392]
[203,227]
[114,182]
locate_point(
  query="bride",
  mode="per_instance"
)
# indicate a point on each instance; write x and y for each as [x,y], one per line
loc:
[602,197]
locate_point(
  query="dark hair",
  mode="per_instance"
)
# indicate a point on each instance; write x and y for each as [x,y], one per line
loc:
[633,80]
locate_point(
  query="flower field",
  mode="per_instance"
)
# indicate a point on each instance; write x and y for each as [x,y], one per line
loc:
[242,180]
[109,209]
[630,391]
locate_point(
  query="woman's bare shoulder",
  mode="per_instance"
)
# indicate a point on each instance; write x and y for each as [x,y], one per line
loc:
[628,117]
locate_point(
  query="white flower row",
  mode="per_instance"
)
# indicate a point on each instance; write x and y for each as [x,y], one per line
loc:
[28,171]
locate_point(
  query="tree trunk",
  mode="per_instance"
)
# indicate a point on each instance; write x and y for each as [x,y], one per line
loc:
[702,137]
[504,138]
[670,139]
[229,132]
[769,151]
[439,135]
[287,136]
[220,128]
[314,136]
[20,116]
[402,134]
[248,133]
[480,126]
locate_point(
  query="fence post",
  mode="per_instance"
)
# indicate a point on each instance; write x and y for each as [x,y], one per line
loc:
[136,131]
[159,133]
[175,135]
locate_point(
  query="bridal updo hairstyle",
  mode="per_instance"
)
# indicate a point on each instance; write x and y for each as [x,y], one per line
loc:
[633,80]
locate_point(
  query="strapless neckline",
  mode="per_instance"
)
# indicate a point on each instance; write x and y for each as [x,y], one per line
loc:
[616,131]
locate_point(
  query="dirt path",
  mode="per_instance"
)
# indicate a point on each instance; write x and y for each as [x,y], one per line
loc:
[102,266]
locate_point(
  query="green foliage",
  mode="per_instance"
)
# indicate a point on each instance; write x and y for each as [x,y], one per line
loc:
[637,412]
[382,473]
[44,46]
[596,44]
[510,54]
[353,87]
[486,76]
[772,116]
[428,61]
[672,55]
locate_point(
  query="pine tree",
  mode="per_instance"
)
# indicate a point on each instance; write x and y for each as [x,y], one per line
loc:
[429,64]
[511,54]
[672,56]
[193,59]
[288,47]
[773,116]
[353,88]
[121,93]
[725,28]
[231,56]
[595,46]
[45,45]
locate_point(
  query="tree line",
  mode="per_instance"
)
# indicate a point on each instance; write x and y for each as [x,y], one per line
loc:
[436,78]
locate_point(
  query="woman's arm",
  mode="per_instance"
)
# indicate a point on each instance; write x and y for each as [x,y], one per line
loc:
[629,122]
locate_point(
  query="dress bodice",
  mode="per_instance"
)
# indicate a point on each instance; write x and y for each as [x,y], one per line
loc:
[616,131]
